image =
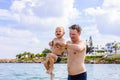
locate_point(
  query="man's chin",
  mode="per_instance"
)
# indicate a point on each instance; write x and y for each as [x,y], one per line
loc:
[72,40]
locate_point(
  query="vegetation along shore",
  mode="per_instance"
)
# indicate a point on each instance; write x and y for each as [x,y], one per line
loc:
[92,58]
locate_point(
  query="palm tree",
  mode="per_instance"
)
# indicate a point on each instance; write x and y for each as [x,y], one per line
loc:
[115,47]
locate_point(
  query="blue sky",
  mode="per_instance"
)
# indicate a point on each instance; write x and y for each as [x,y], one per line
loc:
[28,25]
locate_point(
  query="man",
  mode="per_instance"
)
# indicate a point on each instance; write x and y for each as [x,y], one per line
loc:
[76,49]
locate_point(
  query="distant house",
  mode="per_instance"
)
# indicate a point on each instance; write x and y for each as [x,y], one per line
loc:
[109,47]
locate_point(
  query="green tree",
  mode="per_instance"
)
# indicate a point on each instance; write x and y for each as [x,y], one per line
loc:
[87,49]
[32,56]
[28,54]
[115,47]
[90,45]
[38,55]
[25,55]
[45,52]
[19,56]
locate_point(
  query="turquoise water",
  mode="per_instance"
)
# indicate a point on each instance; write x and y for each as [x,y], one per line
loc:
[36,71]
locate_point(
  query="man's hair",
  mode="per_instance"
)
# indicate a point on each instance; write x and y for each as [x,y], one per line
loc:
[76,27]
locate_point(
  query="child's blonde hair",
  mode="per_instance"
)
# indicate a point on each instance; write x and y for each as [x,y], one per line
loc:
[60,27]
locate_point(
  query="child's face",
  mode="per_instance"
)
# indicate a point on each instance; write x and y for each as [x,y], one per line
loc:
[59,32]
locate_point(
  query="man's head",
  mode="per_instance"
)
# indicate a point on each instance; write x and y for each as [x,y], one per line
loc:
[75,31]
[59,32]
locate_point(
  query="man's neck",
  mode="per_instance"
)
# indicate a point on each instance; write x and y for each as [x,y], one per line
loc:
[77,41]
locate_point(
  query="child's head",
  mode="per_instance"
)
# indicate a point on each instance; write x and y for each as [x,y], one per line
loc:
[59,32]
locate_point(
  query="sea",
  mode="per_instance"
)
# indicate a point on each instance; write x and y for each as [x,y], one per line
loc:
[36,71]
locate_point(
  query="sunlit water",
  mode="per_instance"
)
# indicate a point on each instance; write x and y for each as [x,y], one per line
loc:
[33,71]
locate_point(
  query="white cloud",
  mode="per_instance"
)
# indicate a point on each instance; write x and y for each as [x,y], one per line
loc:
[105,25]
[44,13]
[112,4]
[90,30]
[98,38]
[33,21]
[7,15]
[101,40]
[14,41]
[107,17]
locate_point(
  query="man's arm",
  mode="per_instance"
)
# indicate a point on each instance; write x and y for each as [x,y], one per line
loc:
[77,47]
[61,44]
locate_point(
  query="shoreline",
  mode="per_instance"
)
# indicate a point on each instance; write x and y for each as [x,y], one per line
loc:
[89,59]
[62,62]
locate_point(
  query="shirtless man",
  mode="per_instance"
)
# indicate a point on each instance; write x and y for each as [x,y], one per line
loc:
[58,46]
[76,49]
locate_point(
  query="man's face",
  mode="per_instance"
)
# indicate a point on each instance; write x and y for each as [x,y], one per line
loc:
[74,35]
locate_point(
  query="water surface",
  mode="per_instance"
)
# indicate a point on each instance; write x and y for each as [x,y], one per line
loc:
[36,71]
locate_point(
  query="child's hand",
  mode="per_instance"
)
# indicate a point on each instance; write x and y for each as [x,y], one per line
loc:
[67,43]
[51,43]
[58,45]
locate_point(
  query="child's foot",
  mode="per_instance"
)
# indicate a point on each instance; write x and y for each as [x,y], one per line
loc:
[49,71]
[52,75]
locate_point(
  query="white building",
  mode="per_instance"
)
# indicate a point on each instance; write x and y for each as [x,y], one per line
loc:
[109,47]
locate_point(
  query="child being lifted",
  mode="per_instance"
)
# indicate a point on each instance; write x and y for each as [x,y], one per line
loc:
[58,46]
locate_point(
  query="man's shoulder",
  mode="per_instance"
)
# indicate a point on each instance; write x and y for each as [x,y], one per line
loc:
[82,42]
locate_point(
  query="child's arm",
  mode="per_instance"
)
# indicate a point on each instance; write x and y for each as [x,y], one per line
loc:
[51,43]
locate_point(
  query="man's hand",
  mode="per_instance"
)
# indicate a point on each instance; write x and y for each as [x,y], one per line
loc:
[67,43]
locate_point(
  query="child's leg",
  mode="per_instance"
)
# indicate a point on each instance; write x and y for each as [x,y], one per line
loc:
[46,64]
[54,59]
[51,58]
[51,65]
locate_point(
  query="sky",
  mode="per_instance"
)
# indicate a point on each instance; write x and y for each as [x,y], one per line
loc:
[29,25]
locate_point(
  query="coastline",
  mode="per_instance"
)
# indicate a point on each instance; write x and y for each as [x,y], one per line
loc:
[89,59]
[20,61]
[92,61]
